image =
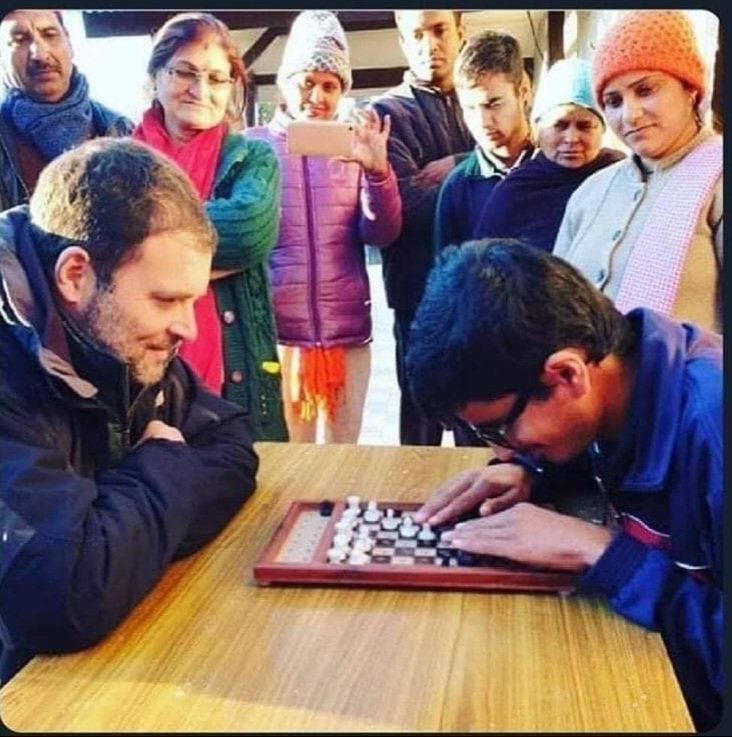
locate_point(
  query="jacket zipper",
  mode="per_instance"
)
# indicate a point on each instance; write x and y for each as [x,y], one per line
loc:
[611,516]
[312,267]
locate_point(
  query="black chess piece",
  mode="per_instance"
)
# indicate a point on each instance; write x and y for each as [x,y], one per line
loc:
[325,508]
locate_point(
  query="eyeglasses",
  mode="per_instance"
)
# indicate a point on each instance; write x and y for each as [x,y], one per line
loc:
[186,77]
[496,433]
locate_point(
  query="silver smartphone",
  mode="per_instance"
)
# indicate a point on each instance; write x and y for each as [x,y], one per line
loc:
[319,138]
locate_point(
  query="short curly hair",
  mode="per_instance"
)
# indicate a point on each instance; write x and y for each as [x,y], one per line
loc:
[108,195]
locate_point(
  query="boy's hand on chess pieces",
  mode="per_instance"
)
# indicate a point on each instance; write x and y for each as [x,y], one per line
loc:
[159,430]
[494,488]
[535,536]
[370,135]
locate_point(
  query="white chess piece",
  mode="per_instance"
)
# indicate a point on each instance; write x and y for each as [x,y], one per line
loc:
[350,514]
[358,558]
[344,525]
[408,529]
[336,555]
[353,501]
[363,544]
[372,513]
[389,521]
[426,533]
[342,539]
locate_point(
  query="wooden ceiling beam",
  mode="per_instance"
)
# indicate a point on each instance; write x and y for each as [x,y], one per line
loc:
[362,78]
[259,46]
[102,23]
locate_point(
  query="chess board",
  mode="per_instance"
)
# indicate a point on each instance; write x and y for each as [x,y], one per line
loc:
[302,551]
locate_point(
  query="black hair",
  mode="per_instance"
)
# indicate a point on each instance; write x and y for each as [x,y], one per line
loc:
[487,52]
[492,313]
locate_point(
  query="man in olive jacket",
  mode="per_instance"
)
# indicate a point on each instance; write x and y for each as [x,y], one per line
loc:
[114,460]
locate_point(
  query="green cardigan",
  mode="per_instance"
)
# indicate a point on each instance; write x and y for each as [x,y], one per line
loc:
[245,211]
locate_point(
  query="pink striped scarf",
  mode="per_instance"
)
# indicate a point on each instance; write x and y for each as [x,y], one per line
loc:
[653,273]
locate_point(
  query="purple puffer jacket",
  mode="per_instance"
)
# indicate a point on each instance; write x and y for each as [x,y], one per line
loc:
[318,272]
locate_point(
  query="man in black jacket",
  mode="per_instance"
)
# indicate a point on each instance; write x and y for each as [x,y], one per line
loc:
[428,138]
[114,460]
[45,107]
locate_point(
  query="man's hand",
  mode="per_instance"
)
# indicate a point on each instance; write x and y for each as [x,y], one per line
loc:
[158,430]
[434,172]
[533,535]
[497,487]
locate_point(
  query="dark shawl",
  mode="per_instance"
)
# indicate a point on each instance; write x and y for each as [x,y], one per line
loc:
[529,203]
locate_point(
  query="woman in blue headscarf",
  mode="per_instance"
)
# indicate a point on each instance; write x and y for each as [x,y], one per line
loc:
[529,203]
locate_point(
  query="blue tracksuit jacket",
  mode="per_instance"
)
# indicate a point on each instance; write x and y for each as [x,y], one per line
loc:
[664,477]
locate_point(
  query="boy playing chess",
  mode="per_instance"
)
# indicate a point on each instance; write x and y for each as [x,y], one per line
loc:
[518,345]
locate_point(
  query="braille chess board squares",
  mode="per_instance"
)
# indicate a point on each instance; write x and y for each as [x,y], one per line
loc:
[382,535]
[392,551]
[299,553]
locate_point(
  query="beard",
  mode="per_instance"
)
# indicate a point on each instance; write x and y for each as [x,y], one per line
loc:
[109,325]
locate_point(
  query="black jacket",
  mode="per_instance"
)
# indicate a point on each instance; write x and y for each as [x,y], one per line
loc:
[88,521]
[426,125]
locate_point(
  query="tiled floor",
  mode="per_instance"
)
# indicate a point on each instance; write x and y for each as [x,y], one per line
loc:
[381,415]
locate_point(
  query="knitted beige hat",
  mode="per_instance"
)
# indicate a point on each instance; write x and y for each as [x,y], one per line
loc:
[317,43]
[658,40]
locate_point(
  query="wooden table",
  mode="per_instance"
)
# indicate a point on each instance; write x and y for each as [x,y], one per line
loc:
[208,650]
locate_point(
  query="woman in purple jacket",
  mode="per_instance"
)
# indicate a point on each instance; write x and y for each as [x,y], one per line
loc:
[331,206]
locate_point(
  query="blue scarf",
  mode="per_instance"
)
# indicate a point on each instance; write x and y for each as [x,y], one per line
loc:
[53,127]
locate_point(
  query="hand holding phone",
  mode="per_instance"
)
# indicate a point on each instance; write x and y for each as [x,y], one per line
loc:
[371,135]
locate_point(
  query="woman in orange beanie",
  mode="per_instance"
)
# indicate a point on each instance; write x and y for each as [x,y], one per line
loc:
[648,230]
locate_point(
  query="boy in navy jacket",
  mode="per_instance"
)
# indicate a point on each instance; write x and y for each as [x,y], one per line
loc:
[518,345]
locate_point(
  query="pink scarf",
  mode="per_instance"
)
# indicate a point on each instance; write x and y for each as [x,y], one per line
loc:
[656,263]
[198,159]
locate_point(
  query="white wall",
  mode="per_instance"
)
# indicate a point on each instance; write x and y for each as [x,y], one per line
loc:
[114,66]
[380,49]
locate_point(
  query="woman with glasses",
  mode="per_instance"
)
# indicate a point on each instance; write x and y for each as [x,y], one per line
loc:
[198,82]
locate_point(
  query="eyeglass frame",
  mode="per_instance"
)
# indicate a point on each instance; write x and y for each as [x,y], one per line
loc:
[498,434]
[179,75]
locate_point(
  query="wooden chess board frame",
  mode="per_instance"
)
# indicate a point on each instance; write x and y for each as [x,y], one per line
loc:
[269,569]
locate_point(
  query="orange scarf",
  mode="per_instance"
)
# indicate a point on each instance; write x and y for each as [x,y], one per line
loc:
[318,378]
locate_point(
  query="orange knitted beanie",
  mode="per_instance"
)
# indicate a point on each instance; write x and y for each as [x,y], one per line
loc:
[658,40]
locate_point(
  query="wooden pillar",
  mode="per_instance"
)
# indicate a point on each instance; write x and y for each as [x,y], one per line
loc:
[250,107]
[555,33]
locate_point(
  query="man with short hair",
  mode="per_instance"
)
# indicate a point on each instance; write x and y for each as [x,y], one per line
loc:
[45,107]
[114,459]
[521,346]
[494,90]
[428,138]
